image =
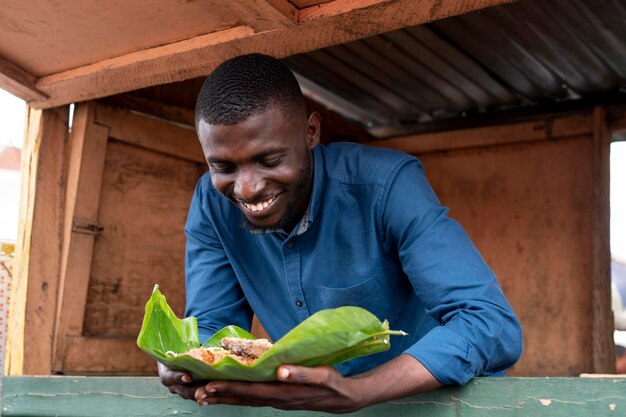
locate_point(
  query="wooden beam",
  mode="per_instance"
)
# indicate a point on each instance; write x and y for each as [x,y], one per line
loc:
[602,344]
[87,152]
[334,8]
[617,123]
[262,15]
[135,70]
[167,112]
[481,397]
[198,56]
[154,134]
[302,4]
[541,129]
[34,290]
[19,82]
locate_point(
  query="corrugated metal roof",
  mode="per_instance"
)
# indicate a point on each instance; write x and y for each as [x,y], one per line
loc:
[521,54]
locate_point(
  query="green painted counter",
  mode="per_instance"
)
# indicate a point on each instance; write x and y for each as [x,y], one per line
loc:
[484,397]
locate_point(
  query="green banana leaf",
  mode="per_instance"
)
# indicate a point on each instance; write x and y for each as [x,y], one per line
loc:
[328,337]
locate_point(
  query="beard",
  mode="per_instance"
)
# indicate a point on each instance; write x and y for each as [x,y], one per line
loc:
[289,219]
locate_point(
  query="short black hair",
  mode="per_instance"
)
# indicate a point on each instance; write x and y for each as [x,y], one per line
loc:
[245,86]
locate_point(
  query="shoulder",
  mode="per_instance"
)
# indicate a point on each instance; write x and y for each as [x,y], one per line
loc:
[207,199]
[356,163]
[204,184]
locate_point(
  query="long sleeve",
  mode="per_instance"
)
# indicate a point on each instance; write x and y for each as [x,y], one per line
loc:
[478,333]
[214,295]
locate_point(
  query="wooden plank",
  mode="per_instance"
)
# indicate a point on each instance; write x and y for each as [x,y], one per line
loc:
[484,397]
[168,113]
[617,123]
[19,82]
[603,347]
[150,133]
[301,4]
[143,209]
[138,69]
[200,55]
[541,129]
[110,356]
[319,10]
[262,15]
[33,294]
[87,150]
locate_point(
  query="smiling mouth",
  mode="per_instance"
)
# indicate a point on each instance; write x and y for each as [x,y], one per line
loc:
[261,205]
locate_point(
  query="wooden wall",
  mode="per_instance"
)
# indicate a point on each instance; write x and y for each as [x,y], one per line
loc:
[529,194]
[529,201]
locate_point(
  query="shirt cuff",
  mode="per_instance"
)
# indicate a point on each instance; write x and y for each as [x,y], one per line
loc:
[447,355]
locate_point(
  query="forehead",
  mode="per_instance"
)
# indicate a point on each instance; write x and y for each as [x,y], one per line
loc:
[270,129]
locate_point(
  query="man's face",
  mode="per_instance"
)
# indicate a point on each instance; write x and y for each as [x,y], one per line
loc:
[263,165]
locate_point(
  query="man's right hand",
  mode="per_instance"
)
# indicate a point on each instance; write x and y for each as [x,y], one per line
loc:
[178,382]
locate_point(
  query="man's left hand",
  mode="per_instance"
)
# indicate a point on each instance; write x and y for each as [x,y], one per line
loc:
[320,388]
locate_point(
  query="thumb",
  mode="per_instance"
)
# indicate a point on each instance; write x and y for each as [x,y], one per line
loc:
[319,375]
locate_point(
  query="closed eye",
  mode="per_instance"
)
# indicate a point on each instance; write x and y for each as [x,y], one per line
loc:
[222,167]
[271,162]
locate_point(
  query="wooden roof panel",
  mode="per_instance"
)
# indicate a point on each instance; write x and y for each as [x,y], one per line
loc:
[55,53]
[44,37]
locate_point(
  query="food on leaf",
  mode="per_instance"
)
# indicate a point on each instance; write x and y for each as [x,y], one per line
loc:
[243,350]
[328,337]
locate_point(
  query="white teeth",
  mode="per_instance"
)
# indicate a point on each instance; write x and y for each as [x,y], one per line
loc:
[260,205]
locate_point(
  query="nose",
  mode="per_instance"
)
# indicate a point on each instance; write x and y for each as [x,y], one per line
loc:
[248,185]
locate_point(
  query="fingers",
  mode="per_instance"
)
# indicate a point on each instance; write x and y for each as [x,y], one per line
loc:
[177,382]
[169,377]
[185,391]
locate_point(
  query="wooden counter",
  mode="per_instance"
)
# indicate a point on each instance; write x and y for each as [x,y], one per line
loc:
[484,397]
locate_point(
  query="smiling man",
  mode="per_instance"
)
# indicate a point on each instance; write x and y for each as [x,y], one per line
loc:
[284,227]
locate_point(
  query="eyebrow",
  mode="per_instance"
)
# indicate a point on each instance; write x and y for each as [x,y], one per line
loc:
[260,155]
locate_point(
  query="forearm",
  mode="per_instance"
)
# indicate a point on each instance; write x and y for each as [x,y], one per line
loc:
[400,377]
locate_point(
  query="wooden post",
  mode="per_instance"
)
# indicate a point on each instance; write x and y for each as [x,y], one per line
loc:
[86,157]
[603,347]
[33,295]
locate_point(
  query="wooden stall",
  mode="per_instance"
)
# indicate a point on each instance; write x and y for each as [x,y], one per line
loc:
[522,165]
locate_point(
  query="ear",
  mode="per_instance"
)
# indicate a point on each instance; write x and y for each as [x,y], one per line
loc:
[313,128]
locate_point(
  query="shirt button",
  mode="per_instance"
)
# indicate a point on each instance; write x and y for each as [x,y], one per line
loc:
[299,303]
[290,244]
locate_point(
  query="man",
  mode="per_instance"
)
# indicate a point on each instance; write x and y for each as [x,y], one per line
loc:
[285,227]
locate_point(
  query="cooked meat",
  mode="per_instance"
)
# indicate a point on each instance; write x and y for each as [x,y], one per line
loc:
[213,355]
[202,354]
[250,348]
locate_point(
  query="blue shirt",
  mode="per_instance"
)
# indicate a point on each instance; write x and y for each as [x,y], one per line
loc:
[374,236]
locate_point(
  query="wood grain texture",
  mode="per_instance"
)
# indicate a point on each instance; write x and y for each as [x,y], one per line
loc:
[87,151]
[528,195]
[481,397]
[301,4]
[198,56]
[603,324]
[108,356]
[143,209]
[541,129]
[262,15]
[150,133]
[312,10]
[48,37]
[33,297]
[528,207]
[19,82]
